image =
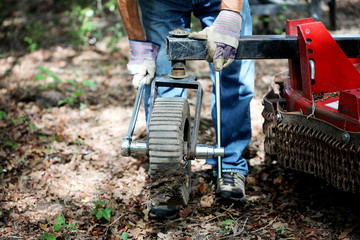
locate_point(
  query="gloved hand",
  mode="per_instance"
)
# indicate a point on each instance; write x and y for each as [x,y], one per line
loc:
[142,61]
[222,39]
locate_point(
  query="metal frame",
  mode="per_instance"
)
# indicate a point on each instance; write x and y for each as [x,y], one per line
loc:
[256,47]
[188,82]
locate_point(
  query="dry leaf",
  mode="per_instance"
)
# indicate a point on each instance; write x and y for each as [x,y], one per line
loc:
[185,211]
[206,201]
[202,188]
[278,180]
[346,233]
[250,180]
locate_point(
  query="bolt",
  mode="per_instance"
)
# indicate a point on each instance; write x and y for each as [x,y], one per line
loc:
[345,137]
[278,117]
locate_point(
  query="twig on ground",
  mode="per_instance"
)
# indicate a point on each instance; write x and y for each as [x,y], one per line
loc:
[107,228]
[257,230]
[223,214]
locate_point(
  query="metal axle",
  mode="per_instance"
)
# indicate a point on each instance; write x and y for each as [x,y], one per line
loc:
[202,151]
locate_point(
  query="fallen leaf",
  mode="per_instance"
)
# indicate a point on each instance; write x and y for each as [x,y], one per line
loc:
[250,180]
[202,188]
[206,201]
[11,186]
[284,205]
[346,232]
[185,211]
[44,227]
[8,230]
[278,180]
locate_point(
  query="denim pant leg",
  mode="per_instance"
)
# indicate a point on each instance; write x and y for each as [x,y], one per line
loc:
[159,17]
[237,81]
[237,90]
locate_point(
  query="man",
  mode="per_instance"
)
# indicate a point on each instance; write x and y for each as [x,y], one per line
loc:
[224,22]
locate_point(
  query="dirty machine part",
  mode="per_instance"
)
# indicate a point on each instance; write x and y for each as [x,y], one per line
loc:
[169,135]
[312,117]
[312,122]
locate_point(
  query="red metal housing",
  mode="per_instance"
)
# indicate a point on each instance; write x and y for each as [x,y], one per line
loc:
[324,83]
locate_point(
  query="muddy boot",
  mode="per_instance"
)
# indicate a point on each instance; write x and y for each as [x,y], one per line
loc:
[231,187]
[163,212]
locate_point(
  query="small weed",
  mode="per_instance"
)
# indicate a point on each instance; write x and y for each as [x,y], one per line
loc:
[280,228]
[49,236]
[35,35]
[226,227]
[102,210]
[116,34]
[59,225]
[76,94]
[43,75]
[124,236]
[2,115]
[82,25]
[11,144]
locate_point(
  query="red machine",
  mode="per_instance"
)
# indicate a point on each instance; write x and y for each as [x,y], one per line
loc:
[311,118]
[312,123]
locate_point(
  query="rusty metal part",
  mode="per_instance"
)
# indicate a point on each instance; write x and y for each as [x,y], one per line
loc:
[179,32]
[312,146]
[178,69]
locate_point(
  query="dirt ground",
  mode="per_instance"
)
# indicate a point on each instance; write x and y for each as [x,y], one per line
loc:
[56,161]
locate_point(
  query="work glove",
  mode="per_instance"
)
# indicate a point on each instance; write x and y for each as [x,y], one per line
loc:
[142,61]
[222,39]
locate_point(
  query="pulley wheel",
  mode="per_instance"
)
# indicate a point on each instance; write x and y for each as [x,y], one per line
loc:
[169,133]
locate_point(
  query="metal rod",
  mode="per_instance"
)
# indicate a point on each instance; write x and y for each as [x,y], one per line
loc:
[218,121]
[135,112]
[126,141]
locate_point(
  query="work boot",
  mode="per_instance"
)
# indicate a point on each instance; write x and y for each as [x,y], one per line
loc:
[163,212]
[231,187]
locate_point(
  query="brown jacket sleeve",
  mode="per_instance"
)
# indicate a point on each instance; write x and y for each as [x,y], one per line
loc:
[233,5]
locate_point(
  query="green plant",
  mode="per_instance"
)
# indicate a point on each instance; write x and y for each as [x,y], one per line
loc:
[102,209]
[2,115]
[82,24]
[49,236]
[70,100]
[226,227]
[11,144]
[35,34]
[116,34]
[59,226]
[111,5]
[124,236]
[78,92]
[42,76]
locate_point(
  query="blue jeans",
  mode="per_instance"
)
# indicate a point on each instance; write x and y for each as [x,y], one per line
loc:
[237,81]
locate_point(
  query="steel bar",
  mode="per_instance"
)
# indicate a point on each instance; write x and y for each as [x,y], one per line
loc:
[256,47]
[126,141]
[218,120]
